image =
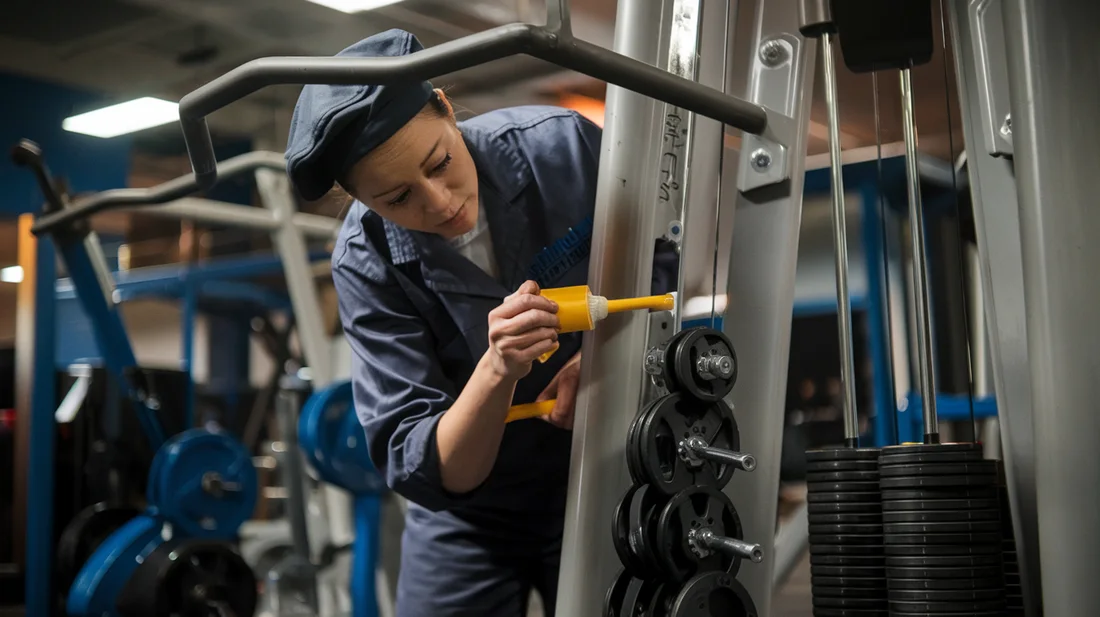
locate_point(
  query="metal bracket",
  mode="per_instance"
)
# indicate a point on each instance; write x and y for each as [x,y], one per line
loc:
[660,330]
[776,73]
[991,63]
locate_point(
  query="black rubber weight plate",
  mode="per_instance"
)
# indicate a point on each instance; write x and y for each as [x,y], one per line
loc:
[922,505]
[842,529]
[835,466]
[939,608]
[852,603]
[963,527]
[827,507]
[931,457]
[852,582]
[847,539]
[953,539]
[842,454]
[853,593]
[940,516]
[830,497]
[846,571]
[845,519]
[911,482]
[842,476]
[855,561]
[863,486]
[947,584]
[850,612]
[920,448]
[844,549]
[934,493]
[978,468]
[951,595]
[935,573]
[945,562]
[616,593]
[936,550]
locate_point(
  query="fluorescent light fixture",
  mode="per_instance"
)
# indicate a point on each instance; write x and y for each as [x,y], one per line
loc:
[11,274]
[128,117]
[355,6]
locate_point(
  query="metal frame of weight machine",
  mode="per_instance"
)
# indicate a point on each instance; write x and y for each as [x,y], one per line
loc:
[641,189]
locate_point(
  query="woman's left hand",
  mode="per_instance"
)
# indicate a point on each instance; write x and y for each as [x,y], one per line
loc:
[563,388]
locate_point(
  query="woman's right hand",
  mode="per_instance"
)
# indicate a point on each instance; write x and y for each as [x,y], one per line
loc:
[521,329]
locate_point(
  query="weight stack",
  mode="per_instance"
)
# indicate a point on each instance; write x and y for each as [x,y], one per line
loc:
[1014,593]
[846,533]
[943,538]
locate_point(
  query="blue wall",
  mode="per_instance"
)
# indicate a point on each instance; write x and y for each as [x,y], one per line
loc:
[34,110]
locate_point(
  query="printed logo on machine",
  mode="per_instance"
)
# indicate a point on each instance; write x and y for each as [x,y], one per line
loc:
[567,251]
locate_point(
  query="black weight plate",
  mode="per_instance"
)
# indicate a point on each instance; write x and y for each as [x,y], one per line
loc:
[936,550]
[820,611]
[938,608]
[974,468]
[922,505]
[845,519]
[842,454]
[695,508]
[845,549]
[946,584]
[817,530]
[854,582]
[931,457]
[683,361]
[632,446]
[631,604]
[864,486]
[83,535]
[955,539]
[826,507]
[937,493]
[945,612]
[674,419]
[912,482]
[616,594]
[963,527]
[846,571]
[815,477]
[712,593]
[841,466]
[850,603]
[826,497]
[660,603]
[643,511]
[920,448]
[949,595]
[847,539]
[1012,579]
[855,561]
[933,573]
[672,383]
[865,593]
[620,533]
[940,516]
[948,562]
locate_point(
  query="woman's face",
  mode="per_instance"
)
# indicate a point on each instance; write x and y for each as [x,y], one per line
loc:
[422,178]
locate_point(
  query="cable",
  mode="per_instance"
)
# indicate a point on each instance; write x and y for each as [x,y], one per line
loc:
[721,159]
[885,266]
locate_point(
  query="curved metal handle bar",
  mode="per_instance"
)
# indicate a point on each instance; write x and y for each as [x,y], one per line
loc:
[552,46]
[159,194]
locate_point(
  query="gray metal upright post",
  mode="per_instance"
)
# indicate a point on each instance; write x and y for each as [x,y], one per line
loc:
[1054,66]
[775,70]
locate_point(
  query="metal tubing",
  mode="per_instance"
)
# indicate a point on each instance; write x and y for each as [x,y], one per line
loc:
[557,17]
[159,194]
[469,51]
[287,406]
[732,546]
[1053,71]
[840,246]
[740,460]
[791,543]
[925,368]
[209,212]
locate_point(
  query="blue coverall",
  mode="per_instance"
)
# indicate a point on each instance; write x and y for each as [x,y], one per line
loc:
[416,315]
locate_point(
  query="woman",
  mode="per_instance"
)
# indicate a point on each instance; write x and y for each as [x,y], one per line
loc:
[455,228]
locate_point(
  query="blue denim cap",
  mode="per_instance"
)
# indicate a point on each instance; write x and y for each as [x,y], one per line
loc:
[336,125]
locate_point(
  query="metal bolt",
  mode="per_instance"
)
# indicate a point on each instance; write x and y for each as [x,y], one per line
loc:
[653,362]
[761,160]
[1006,128]
[773,53]
[714,367]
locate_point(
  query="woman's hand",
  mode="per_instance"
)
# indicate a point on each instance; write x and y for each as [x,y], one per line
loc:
[563,388]
[521,329]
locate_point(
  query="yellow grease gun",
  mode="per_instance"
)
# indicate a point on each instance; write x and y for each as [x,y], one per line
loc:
[580,310]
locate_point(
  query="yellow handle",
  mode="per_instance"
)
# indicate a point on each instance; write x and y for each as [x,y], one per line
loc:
[529,410]
[654,303]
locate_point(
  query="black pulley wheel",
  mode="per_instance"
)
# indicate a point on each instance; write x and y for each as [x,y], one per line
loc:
[710,594]
[692,511]
[190,578]
[83,535]
[701,363]
[662,438]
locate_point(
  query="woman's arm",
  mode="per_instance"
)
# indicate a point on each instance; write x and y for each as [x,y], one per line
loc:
[468,437]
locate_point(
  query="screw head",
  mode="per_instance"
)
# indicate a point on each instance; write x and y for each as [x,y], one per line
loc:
[773,53]
[761,160]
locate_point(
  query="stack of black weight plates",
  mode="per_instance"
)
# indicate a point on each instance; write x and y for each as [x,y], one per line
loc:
[942,530]
[845,517]
[1014,593]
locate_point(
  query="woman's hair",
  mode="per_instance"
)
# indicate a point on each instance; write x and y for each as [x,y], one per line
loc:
[436,107]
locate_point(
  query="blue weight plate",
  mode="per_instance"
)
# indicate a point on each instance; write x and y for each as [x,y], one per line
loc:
[332,439]
[187,498]
[152,483]
[106,571]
